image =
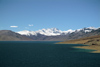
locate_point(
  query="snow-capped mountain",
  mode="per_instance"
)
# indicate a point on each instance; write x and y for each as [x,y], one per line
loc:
[27,33]
[49,32]
[88,29]
[46,32]
[54,31]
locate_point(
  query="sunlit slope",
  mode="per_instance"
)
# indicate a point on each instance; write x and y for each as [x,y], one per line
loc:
[93,40]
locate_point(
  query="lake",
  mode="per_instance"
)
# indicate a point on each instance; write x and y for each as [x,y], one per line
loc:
[45,54]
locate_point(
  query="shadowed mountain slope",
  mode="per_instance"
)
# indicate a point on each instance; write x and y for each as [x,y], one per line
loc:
[7,35]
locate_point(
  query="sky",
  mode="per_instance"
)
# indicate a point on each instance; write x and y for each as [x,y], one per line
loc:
[18,15]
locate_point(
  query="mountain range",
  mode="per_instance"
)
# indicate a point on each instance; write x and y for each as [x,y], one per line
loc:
[54,31]
[52,34]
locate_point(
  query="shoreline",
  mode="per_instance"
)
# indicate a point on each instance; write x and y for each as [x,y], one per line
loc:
[96,48]
[93,43]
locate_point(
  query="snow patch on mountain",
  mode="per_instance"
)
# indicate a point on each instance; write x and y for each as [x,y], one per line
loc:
[93,28]
[68,31]
[88,29]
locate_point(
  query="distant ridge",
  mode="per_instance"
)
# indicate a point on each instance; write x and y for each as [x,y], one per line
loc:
[8,35]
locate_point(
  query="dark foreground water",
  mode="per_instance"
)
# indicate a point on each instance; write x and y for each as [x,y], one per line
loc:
[45,54]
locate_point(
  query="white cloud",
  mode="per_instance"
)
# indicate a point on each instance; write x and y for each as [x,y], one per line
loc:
[30,25]
[14,26]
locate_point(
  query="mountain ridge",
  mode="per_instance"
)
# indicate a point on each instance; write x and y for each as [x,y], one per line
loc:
[79,33]
[54,31]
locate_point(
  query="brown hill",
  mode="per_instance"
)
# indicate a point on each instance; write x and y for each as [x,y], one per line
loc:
[7,35]
[93,42]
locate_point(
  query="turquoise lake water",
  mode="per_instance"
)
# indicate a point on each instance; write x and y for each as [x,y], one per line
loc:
[45,54]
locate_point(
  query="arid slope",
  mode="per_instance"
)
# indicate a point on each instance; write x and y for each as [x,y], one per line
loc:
[93,42]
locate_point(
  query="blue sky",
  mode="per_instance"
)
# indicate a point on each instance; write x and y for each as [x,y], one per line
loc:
[33,15]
